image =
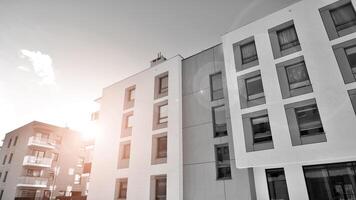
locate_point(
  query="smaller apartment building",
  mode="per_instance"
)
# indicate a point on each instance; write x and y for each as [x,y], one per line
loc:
[291,84]
[40,161]
[138,151]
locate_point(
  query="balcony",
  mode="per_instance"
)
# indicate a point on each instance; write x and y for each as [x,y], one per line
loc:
[33,182]
[37,161]
[42,142]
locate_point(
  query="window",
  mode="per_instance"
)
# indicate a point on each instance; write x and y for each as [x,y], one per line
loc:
[34,172]
[345,54]
[161,85]
[77,179]
[339,18]
[160,187]
[160,115]
[126,152]
[352,94]
[5,177]
[251,89]
[10,158]
[87,168]
[287,38]
[293,77]
[55,156]
[245,54]
[4,160]
[9,144]
[159,148]
[257,131]
[216,87]
[284,39]
[219,120]
[351,57]
[254,88]
[1,194]
[223,169]
[162,147]
[163,114]
[127,124]
[261,129]
[0,174]
[124,155]
[304,122]
[331,181]
[129,100]
[16,138]
[277,185]
[121,187]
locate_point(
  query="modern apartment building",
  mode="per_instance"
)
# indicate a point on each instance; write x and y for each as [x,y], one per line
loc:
[291,85]
[269,114]
[41,161]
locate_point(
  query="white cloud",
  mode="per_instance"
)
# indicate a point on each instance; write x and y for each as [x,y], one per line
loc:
[23,68]
[42,65]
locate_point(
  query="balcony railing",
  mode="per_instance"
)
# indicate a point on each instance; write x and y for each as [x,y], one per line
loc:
[42,142]
[37,161]
[37,182]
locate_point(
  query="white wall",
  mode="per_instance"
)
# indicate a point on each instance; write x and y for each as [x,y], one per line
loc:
[104,171]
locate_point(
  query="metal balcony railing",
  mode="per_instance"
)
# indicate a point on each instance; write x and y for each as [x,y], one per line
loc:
[42,142]
[38,182]
[37,161]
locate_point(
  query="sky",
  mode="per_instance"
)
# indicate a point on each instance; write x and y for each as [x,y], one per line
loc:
[56,56]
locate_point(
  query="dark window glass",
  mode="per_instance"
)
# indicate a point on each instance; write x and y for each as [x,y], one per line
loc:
[309,120]
[5,177]
[219,118]
[122,189]
[16,138]
[331,182]
[297,75]
[351,57]
[248,52]
[126,151]
[162,147]
[87,168]
[163,114]
[4,160]
[216,86]
[132,94]
[10,158]
[277,185]
[343,17]
[287,38]
[1,193]
[163,84]
[254,88]
[9,144]
[161,188]
[223,162]
[261,129]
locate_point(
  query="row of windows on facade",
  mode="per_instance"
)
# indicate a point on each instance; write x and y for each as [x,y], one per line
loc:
[10,142]
[327,182]
[158,188]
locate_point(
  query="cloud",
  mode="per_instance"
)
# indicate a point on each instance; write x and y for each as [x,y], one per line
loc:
[42,66]
[23,68]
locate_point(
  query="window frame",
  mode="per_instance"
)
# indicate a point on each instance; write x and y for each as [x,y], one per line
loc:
[214,121]
[352,95]
[155,159]
[244,101]
[10,158]
[329,25]
[124,162]
[153,186]
[157,89]
[276,48]
[128,102]
[126,131]
[212,98]
[118,188]
[284,84]
[238,57]
[285,179]
[224,163]
[15,141]
[156,115]
[343,62]
[293,125]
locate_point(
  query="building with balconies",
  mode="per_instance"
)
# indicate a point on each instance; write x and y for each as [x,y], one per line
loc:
[42,161]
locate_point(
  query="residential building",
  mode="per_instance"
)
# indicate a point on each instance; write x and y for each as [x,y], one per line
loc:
[291,78]
[39,161]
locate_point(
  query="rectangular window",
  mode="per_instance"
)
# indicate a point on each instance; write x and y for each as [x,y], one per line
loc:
[132,94]
[129,121]
[161,85]
[277,185]
[1,194]
[287,38]
[223,169]
[10,158]
[297,75]
[352,94]
[55,156]
[129,100]
[122,190]
[160,188]
[216,86]
[163,114]
[162,147]
[4,160]
[248,52]
[5,177]
[126,151]
[261,129]
[331,181]
[254,88]
[309,121]
[33,172]
[9,144]
[16,138]
[219,120]
[343,17]
[351,57]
